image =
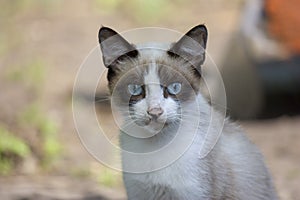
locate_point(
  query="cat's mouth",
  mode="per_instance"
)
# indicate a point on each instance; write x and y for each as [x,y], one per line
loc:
[147,122]
[151,122]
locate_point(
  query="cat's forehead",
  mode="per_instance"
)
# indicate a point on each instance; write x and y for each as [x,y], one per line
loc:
[153,57]
[151,75]
[154,65]
[159,69]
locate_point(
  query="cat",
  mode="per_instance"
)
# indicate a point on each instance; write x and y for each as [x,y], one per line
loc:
[158,92]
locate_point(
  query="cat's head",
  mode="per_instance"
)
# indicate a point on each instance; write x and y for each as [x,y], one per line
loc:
[150,85]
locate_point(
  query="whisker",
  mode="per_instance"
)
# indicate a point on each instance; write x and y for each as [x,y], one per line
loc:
[126,125]
[97,100]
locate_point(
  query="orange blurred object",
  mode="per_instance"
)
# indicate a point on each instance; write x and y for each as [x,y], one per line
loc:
[284,22]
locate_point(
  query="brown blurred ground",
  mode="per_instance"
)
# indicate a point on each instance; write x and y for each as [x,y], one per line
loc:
[60,34]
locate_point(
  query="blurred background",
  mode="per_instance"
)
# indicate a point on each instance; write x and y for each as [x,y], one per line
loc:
[255,44]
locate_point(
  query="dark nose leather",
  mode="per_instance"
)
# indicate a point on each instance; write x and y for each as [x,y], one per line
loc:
[155,112]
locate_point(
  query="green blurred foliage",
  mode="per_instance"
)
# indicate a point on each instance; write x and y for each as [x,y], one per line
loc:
[80,172]
[30,74]
[108,177]
[148,11]
[141,11]
[11,149]
[51,147]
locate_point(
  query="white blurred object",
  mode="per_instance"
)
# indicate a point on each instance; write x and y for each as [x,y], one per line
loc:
[261,45]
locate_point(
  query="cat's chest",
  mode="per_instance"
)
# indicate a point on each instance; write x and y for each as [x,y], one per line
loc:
[183,173]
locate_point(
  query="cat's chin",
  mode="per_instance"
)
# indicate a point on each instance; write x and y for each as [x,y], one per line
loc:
[153,126]
[153,130]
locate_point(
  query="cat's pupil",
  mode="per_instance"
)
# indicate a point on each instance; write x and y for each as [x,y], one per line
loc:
[134,89]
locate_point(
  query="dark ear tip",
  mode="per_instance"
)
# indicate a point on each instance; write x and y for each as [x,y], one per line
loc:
[104,28]
[105,32]
[201,27]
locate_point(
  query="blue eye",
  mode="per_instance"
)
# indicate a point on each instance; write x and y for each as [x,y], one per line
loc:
[174,88]
[135,89]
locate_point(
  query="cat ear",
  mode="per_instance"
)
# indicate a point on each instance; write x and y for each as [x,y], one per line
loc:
[191,46]
[114,47]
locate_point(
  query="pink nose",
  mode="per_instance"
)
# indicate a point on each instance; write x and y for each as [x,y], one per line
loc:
[155,112]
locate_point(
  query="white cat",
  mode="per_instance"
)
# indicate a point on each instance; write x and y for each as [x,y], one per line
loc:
[158,93]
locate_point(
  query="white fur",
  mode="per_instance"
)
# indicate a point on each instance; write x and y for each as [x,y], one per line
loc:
[181,176]
[154,93]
